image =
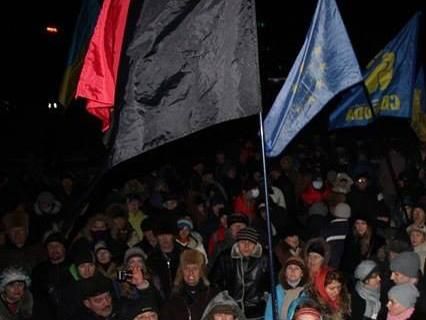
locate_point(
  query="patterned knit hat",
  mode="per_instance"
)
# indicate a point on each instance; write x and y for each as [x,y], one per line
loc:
[249,234]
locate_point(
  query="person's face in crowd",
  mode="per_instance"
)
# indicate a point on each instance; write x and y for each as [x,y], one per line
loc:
[292,241]
[133,205]
[400,278]
[251,194]
[166,242]
[231,173]
[236,227]
[171,204]
[307,317]
[121,225]
[101,305]
[374,281]
[67,184]
[55,252]
[418,216]
[103,256]
[417,238]
[285,163]
[223,316]
[246,247]
[218,208]
[18,236]
[98,225]
[293,273]
[361,227]
[150,315]
[184,233]
[150,236]
[45,204]
[333,289]
[361,183]
[394,307]
[86,270]
[191,274]
[134,262]
[315,261]
[14,291]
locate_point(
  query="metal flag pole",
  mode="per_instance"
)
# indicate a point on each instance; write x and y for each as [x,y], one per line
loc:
[268,224]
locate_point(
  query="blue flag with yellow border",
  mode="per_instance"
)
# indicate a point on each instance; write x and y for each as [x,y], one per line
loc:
[389,80]
[325,66]
[418,118]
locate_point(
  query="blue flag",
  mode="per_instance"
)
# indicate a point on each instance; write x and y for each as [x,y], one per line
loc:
[325,66]
[389,80]
[418,118]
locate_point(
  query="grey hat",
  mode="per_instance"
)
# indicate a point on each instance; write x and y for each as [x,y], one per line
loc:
[407,263]
[134,252]
[342,211]
[318,208]
[365,269]
[406,294]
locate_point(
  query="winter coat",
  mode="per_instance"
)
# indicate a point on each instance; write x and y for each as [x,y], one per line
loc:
[246,278]
[184,305]
[334,234]
[23,311]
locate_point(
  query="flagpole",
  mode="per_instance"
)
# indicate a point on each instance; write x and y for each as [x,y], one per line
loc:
[387,159]
[268,223]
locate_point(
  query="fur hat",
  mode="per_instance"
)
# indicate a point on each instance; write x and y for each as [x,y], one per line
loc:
[421,229]
[15,219]
[165,228]
[192,256]
[13,274]
[85,255]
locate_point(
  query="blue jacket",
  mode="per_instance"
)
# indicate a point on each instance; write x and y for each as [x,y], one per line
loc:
[280,292]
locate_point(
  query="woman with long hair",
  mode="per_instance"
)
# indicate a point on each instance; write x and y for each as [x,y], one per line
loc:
[329,291]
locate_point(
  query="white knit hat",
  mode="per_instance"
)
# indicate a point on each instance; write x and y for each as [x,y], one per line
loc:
[13,274]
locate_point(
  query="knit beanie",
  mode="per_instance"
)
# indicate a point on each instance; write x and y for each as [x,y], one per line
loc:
[318,208]
[342,211]
[406,294]
[249,234]
[398,246]
[365,269]
[237,218]
[407,263]
[101,245]
[13,274]
[94,286]
[295,261]
[83,256]
[133,252]
[181,223]
[53,237]
[316,247]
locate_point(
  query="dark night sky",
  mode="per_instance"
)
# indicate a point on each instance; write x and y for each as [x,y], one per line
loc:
[33,62]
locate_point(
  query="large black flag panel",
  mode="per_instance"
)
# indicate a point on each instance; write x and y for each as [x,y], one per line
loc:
[192,64]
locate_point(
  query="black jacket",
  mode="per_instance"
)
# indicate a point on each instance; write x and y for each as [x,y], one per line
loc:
[245,278]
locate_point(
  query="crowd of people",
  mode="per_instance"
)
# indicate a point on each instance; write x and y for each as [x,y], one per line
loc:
[348,240]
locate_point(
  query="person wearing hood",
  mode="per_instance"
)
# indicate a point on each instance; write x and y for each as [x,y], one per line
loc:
[16,301]
[418,241]
[365,300]
[192,291]
[292,278]
[244,271]
[47,214]
[223,307]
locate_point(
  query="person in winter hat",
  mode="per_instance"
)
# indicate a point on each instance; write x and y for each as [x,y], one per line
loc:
[366,294]
[335,232]
[418,241]
[223,305]
[402,299]
[16,301]
[405,268]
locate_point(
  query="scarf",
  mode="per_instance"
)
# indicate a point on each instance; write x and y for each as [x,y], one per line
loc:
[319,284]
[372,300]
[290,296]
[402,316]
